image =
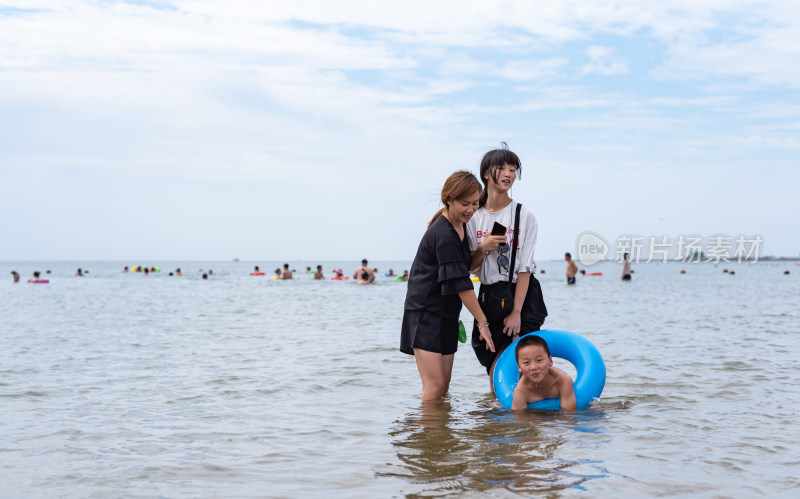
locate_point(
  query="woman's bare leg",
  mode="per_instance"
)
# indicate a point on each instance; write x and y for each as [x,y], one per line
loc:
[435,371]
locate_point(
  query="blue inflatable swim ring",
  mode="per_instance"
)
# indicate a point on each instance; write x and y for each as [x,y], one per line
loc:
[588,384]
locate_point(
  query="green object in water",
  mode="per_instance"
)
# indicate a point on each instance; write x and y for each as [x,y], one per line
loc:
[462,332]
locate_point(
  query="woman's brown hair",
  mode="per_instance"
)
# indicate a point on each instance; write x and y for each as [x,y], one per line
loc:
[457,186]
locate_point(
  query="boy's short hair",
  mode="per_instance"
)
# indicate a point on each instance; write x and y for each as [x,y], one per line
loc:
[528,340]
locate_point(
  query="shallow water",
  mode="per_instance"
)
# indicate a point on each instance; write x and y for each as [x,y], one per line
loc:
[120,384]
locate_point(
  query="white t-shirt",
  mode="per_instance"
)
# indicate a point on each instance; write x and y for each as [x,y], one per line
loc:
[480,225]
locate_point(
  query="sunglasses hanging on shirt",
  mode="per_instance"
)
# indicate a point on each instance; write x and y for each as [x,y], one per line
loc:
[502,259]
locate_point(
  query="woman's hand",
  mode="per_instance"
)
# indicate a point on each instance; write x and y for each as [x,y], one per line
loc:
[491,243]
[512,323]
[486,334]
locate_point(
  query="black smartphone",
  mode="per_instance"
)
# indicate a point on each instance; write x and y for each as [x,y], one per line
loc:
[498,229]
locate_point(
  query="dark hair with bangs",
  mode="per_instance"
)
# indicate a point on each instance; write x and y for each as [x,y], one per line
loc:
[528,340]
[457,186]
[492,161]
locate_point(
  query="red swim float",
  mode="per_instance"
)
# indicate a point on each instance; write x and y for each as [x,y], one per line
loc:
[256,273]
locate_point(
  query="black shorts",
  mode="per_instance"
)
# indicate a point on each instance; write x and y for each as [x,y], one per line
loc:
[428,331]
[626,277]
[571,280]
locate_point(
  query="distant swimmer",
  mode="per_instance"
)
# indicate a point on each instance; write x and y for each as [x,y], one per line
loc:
[572,268]
[626,268]
[309,271]
[15,275]
[405,275]
[364,275]
[125,269]
[286,274]
[79,273]
[178,271]
[205,276]
[390,273]
[37,277]
[318,274]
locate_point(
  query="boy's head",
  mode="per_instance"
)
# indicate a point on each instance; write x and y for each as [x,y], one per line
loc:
[531,340]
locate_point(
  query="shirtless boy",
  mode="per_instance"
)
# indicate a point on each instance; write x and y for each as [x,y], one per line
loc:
[539,379]
[572,268]
[287,274]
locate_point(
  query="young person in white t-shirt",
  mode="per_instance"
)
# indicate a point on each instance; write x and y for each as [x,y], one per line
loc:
[498,172]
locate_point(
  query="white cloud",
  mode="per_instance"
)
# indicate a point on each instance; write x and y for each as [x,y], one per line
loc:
[602,61]
[299,100]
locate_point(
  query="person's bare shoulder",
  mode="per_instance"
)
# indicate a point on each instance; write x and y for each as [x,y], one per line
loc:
[563,380]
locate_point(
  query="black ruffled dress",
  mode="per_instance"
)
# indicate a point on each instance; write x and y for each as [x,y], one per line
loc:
[432,308]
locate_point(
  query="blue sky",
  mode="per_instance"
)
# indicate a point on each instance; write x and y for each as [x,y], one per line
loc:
[180,130]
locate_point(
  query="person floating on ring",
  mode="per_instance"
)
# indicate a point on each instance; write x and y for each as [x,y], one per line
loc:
[539,380]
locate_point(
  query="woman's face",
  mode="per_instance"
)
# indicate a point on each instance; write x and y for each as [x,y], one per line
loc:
[506,175]
[461,210]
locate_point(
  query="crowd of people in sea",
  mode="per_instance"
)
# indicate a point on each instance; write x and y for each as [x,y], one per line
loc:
[362,275]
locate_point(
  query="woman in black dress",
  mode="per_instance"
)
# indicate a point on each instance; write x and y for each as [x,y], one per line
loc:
[439,284]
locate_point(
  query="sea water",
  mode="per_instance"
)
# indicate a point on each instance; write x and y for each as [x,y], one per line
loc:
[118,384]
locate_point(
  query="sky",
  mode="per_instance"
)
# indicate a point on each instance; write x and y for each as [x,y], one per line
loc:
[318,130]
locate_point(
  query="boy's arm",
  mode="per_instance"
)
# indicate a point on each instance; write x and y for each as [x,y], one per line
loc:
[520,400]
[567,394]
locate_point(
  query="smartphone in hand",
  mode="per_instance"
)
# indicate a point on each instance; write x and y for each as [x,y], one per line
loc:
[499,229]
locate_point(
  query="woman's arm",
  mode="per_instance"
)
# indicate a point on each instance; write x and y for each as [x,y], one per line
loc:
[513,323]
[471,302]
[490,243]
